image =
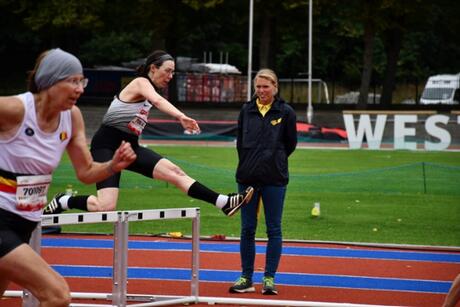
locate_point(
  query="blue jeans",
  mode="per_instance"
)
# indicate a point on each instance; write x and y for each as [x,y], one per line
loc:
[273,203]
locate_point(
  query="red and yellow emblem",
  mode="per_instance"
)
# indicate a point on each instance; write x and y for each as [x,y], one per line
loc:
[63,136]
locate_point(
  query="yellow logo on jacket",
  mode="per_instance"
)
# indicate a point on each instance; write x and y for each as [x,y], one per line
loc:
[276,121]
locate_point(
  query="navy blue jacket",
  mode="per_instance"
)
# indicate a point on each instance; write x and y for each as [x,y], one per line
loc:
[265,143]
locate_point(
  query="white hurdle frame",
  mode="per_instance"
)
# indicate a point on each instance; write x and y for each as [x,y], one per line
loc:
[119,296]
[120,219]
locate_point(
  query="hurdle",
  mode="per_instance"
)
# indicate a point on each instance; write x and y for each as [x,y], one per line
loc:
[119,296]
[121,219]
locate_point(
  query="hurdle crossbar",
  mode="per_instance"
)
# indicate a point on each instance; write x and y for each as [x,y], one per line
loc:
[113,216]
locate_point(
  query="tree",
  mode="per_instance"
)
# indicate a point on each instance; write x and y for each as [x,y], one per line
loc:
[355,43]
[402,17]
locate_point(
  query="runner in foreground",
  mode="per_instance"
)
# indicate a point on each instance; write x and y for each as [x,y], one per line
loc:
[35,129]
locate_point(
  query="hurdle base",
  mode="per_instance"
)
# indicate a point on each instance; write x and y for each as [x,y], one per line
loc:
[165,300]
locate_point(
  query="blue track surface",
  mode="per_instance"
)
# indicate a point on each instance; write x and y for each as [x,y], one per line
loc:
[234,248]
[293,279]
[290,279]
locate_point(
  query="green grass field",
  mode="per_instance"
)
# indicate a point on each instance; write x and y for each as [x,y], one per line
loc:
[401,197]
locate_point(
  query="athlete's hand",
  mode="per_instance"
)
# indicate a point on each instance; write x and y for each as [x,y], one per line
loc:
[123,157]
[190,125]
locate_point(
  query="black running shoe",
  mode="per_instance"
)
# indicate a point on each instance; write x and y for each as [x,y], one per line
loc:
[242,285]
[268,287]
[236,200]
[54,207]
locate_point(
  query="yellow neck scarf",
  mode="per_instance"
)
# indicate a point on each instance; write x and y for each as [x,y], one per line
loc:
[263,108]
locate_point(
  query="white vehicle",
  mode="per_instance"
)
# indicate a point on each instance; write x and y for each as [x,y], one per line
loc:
[442,89]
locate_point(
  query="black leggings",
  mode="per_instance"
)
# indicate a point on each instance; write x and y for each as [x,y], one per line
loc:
[104,144]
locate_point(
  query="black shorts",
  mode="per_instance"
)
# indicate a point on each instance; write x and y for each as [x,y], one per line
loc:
[104,144]
[14,231]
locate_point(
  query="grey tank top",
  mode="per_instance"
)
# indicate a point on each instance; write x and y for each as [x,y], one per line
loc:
[120,113]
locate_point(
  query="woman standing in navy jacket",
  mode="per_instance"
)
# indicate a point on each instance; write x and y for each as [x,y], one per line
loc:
[267,136]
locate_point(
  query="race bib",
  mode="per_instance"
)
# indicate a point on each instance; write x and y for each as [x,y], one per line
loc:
[31,192]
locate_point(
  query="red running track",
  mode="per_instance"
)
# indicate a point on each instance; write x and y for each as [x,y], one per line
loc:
[229,261]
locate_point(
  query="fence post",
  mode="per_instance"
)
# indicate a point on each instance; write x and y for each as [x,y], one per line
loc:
[424,178]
